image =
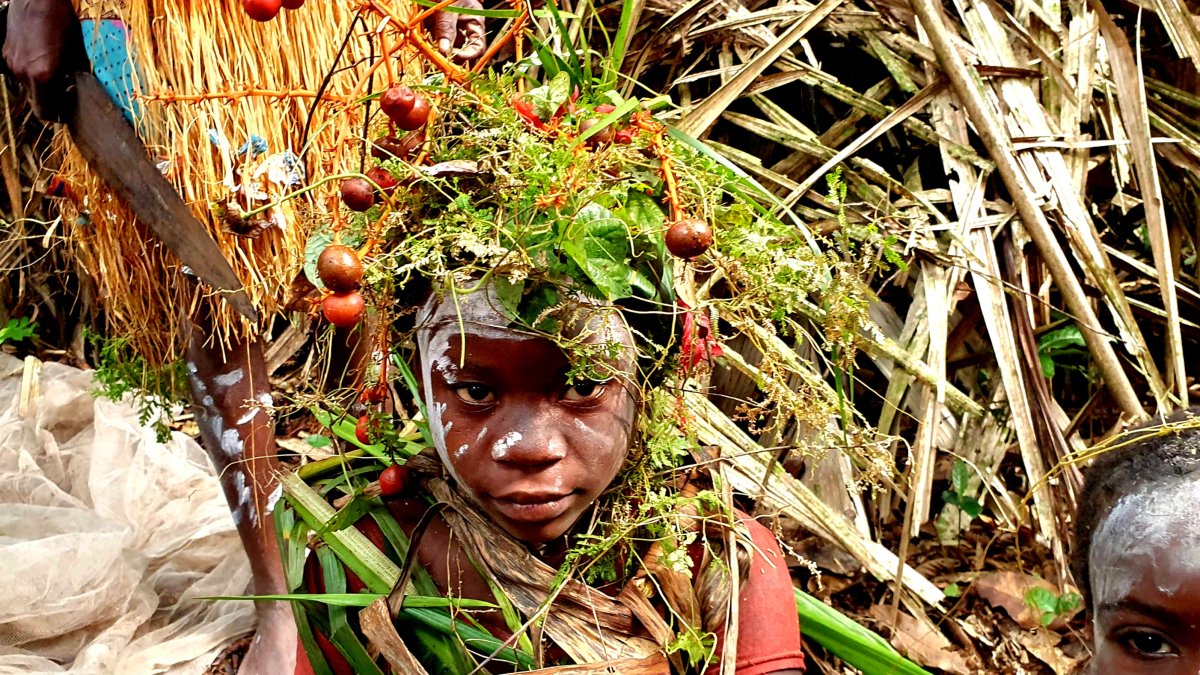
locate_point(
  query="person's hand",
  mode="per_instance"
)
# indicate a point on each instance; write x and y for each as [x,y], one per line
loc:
[41,45]
[460,36]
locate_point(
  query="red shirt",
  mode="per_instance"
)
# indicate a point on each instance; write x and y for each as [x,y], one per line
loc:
[768,623]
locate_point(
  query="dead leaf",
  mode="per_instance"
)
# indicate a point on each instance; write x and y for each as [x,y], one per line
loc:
[920,643]
[1008,590]
[1044,645]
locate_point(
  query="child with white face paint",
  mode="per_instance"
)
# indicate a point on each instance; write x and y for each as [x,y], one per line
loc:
[1137,551]
[534,449]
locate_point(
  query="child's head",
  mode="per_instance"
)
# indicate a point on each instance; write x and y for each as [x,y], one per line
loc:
[532,445]
[1137,550]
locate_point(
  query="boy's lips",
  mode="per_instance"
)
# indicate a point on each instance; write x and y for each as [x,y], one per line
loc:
[533,507]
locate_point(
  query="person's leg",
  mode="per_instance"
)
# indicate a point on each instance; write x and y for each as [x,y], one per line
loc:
[229,389]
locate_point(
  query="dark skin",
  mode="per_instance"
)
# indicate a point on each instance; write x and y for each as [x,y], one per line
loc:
[533,449]
[1151,624]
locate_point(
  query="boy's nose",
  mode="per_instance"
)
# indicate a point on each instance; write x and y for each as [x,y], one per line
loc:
[534,440]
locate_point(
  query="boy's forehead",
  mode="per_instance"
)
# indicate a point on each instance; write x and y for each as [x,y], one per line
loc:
[480,313]
[1157,525]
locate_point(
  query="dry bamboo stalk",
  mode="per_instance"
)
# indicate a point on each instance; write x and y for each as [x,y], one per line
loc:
[1131,102]
[970,88]
[655,664]
[376,624]
[703,116]
[1025,116]
[787,495]
[920,492]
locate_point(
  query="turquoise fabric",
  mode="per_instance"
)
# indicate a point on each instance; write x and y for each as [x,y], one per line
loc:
[107,43]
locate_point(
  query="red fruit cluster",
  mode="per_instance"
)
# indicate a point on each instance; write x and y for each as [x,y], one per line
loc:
[265,10]
[341,271]
[407,109]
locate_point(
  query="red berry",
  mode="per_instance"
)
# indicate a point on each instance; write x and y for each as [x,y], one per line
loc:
[393,480]
[293,4]
[416,117]
[358,194]
[383,178]
[689,238]
[376,394]
[344,310]
[362,430]
[339,268]
[261,10]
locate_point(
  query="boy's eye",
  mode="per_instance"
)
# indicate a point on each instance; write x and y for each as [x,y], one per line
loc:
[1146,643]
[475,393]
[585,390]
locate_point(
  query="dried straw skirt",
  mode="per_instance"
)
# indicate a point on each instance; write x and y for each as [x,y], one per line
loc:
[202,67]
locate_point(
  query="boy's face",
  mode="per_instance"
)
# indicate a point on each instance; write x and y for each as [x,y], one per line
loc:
[1145,575]
[534,450]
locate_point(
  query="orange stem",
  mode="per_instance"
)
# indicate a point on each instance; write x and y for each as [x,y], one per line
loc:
[494,48]
[420,18]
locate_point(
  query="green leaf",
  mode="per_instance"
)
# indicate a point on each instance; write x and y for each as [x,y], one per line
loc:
[849,641]
[1047,365]
[1042,599]
[342,633]
[599,243]
[509,294]
[540,299]
[318,441]
[347,515]
[960,477]
[16,330]
[953,591]
[970,506]
[548,98]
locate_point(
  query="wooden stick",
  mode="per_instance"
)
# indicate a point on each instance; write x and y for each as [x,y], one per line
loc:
[969,88]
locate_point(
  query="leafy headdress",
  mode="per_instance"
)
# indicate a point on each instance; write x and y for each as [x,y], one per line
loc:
[551,201]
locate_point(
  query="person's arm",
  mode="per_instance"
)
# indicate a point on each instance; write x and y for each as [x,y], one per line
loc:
[42,45]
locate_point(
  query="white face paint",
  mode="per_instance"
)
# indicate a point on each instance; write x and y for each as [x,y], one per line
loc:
[274,498]
[227,380]
[231,443]
[501,447]
[249,415]
[444,319]
[1151,535]
[245,504]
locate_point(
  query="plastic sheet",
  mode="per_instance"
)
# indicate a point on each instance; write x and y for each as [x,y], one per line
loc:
[108,538]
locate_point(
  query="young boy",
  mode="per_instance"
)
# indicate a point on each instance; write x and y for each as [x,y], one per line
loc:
[1137,553]
[536,453]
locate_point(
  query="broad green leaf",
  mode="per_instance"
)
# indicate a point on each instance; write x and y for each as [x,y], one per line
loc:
[960,477]
[849,641]
[509,294]
[318,441]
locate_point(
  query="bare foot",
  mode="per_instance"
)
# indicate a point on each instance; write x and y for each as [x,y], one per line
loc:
[275,648]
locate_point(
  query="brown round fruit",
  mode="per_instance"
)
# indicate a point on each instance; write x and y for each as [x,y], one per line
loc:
[602,137]
[384,179]
[339,268]
[416,117]
[344,310]
[358,194]
[689,238]
[396,102]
